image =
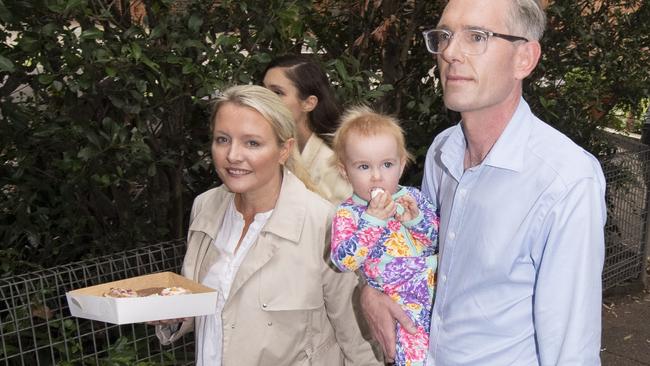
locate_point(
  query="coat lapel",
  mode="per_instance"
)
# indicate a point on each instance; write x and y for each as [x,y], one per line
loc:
[206,220]
[283,227]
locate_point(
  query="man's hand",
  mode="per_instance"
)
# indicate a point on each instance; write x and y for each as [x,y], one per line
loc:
[381,313]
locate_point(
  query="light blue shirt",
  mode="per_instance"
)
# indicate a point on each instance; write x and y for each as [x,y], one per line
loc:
[521,249]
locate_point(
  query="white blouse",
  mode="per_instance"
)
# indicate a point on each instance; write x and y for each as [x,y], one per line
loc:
[220,277]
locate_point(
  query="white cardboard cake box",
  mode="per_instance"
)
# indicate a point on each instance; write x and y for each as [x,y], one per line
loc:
[89,302]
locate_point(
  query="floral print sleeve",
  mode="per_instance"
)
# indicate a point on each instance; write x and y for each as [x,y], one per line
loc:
[398,258]
[353,236]
[424,228]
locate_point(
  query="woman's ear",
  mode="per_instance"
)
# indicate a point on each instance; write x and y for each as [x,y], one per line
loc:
[310,103]
[286,149]
[526,59]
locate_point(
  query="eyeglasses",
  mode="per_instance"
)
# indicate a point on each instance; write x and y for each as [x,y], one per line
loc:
[471,41]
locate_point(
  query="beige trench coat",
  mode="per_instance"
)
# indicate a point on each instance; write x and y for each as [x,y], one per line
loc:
[317,157]
[287,306]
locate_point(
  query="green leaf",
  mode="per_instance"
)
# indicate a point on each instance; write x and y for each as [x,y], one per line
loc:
[101,55]
[136,51]
[93,138]
[141,86]
[340,69]
[117,101]
[5,14]
[157,32]
[173,59]
[91,33]
[86,153]
[6,64]
[72,4]
[174,81]
[195,22]
[244,78]
[110,71]
[152,65]
[55,7]
[262,57]
[45,79]
[28,44]
[188,68]
[193,43]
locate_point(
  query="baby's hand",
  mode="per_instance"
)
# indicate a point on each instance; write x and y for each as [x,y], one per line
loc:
[381,206]
[411,209]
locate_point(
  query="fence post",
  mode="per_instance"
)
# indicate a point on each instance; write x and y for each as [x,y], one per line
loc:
[645,139]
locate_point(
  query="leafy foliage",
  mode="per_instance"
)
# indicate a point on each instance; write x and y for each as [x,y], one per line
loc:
[104,136]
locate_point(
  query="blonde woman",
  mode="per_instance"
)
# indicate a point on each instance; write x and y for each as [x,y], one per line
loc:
[260,240]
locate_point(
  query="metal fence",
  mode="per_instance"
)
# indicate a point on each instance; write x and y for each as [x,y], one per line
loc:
[627,176]
[36,327]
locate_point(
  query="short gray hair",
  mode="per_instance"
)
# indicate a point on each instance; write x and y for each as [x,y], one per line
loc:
[526,18]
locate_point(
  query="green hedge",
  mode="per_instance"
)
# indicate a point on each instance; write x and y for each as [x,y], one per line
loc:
[104,138]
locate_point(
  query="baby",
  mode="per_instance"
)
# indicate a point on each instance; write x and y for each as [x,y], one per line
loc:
[387,231]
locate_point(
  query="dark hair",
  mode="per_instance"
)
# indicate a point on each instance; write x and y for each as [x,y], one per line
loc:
[309,78]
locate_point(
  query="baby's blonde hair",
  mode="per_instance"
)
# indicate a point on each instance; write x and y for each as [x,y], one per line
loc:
[366,122]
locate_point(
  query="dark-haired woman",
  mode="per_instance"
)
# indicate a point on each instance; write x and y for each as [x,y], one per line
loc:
[305,89]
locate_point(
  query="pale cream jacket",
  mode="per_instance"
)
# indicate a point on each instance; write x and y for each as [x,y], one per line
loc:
[317,158]
[287,306]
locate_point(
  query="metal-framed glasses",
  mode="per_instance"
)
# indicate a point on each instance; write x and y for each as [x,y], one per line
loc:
[470,41]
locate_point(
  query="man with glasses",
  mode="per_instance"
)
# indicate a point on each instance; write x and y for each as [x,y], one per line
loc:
[522,207]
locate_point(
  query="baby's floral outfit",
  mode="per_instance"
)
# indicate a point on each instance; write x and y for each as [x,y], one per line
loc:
[397,258]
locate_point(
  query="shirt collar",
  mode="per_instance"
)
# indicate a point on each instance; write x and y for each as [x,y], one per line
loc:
[507,153]
[289,213]
[453,152]
[286,219]
[509,150]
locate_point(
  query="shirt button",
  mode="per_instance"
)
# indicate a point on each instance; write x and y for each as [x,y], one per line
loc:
[452,235]
[264,306]
[462,192]
[232,326]
[438,318]
[269,324]
[444,278]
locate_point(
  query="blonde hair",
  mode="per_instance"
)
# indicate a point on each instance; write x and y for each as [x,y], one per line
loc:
[364,121]
[271,107]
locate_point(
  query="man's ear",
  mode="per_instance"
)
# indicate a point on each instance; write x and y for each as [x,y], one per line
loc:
[526,59]
[310,103]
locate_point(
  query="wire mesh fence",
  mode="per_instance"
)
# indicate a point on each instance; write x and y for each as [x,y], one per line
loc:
[627,174]
[36,327]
